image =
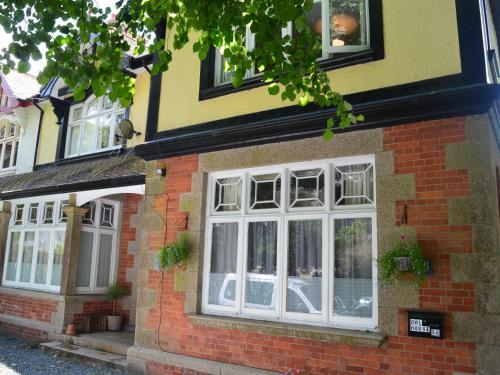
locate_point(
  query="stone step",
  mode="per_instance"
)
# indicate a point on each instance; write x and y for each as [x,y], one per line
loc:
[110,360]
[111,342]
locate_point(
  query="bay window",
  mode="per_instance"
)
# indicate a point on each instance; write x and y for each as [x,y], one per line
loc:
[98,246]
[293,243]
[35,245]
[92,126]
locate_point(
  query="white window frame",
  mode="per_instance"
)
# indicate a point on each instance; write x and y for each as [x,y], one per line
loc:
[25,227]
[327,214]
[114,111]
[14,140]
[96,229]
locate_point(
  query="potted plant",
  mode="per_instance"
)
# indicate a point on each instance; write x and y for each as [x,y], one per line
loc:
[405,260]
[115,293]
[173,255]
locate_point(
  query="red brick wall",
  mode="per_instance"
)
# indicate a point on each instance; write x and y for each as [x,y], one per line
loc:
[27,333]
[29,308]
[418,149]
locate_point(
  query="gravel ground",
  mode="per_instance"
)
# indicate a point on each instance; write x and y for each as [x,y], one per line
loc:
[20,357]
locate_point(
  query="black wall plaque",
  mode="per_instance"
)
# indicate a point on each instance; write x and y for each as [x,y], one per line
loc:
[424,324]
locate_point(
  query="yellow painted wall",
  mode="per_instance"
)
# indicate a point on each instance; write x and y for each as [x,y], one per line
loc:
[47,144]
[420,41]
[138,113]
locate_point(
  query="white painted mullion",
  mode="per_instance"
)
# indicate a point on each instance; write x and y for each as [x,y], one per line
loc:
[50,260]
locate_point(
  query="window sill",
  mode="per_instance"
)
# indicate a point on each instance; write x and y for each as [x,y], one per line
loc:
[341,61]
[344,336]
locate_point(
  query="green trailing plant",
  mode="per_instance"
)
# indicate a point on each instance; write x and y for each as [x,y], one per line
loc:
[173,255]
[115,293]
[388,263]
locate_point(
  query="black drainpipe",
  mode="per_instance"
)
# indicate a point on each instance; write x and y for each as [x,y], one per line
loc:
[38,132]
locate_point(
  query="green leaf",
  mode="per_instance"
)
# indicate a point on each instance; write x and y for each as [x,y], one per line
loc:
[360,118]
[328,135]
[303,101]
[23,66]
[330,123]
[273,89]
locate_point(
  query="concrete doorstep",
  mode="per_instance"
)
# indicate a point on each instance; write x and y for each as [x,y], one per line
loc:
[111,360]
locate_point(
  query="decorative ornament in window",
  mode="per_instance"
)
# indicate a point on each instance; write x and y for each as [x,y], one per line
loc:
[48,213]
[92,126]
[89,217]
[107,215]
[354,185]
[307,188]
[18,214]
[33,213]
[227,194]
[265,191]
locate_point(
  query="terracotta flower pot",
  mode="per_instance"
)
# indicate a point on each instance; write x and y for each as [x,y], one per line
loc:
[114,322]
[71,329]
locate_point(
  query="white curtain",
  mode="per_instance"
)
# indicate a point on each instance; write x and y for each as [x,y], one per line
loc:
[12,260]
[85,259]
[27,258]
[104,260]
[42,257]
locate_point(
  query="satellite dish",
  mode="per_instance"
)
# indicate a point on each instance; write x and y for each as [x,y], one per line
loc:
[126,128]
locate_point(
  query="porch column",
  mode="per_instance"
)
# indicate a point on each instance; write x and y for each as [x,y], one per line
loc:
[4,231]
[71,247]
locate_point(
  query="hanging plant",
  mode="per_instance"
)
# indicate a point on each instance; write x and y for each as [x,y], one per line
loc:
[402,260]
[173,255]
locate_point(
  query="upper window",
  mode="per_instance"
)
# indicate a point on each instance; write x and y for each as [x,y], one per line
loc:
[341,26]
[35,245]
[9,145]
[92,126]
[98,242]
[293,243]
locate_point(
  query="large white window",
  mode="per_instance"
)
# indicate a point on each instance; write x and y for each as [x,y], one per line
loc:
[294,243]
[9,145]
[92,126]
[342,26]
[98,246]
[35,244]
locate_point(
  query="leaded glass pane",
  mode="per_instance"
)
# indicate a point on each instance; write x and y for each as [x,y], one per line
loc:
[265,191]
[48,213]
[354,185]
[107,215]
[228,194]
[307,188]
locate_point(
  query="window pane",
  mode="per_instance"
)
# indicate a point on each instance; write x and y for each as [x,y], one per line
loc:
[104,131]
[228,194]
[104,261]
[354,184]
[85,259]
[42,260]
[353,295]
[92,107]
[77,114]
[48,213]
[2,132]
[12,130]
[63,217]
[347,23]
[304,266]
[307,188]
[107,215]
[89,217]
[314,22]
[7,154]
[261,265]
[14,157]
[74,139]
[222,278]
[106,103]
[222,76]
[58,255]
[89,135]
[33,213]
[265,191]
[117,140]
[27,257]
[18,215]
[12,260]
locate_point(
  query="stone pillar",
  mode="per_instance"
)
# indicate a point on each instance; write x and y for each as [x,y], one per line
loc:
[71,247]
[4,231]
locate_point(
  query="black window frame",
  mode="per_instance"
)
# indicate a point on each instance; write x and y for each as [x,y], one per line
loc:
[209,90]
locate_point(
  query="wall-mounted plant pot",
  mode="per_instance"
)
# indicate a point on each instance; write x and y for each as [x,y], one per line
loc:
[403,264]
[114,322]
